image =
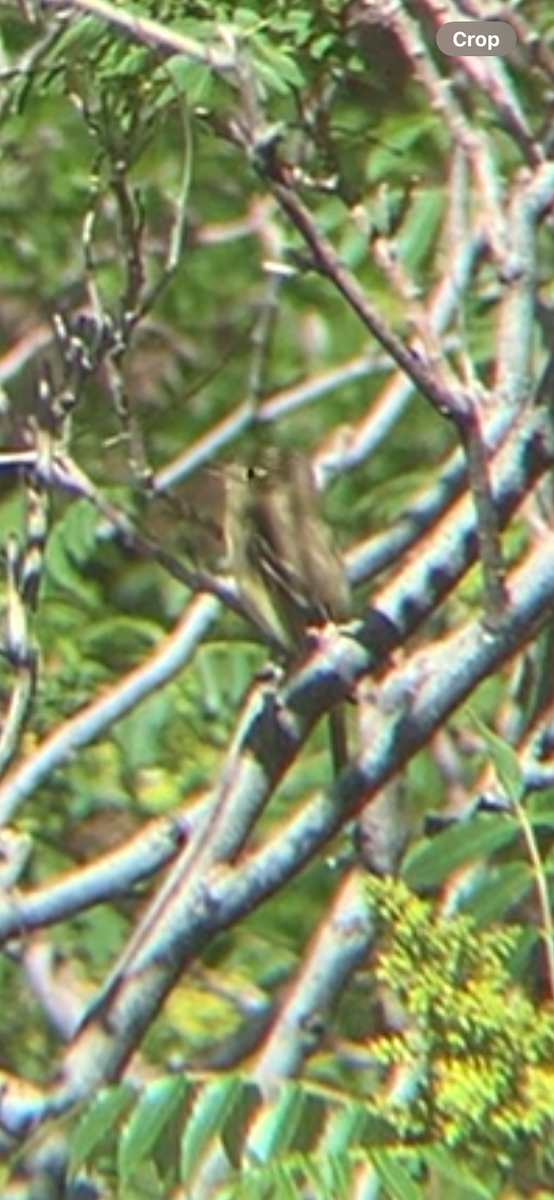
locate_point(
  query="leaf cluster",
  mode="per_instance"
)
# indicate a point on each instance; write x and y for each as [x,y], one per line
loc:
[475,1050]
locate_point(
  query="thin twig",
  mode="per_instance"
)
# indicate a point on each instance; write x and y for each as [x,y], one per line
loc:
[150,32]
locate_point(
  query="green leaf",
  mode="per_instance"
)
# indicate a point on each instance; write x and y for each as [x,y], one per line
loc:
[157,1106]
[541,810]
[99,1122]
[193,79]
[355,1125]
[394,155]
[79,528]
[321,45]
[276,67]
[140,732]
[499,891]
[398,1184]
[277,1131]
[119,640]
[505,760]
[211,1110]
[457,1175]
[71,544]
[433,860]
[238,1121]
[292,1124]
[419,230]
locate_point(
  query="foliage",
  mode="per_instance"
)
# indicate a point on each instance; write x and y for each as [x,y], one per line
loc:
[224,227]
[469,1071]
[478,1049]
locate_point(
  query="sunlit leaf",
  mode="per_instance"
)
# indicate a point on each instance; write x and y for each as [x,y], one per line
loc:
[100,1121]
[432,861]
[158,1104]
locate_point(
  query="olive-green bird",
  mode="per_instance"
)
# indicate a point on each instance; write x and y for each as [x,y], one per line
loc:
[287,569]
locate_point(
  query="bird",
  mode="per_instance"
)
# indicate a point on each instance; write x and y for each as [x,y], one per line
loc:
[281,551]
